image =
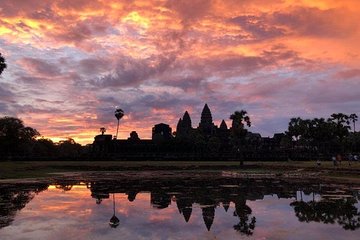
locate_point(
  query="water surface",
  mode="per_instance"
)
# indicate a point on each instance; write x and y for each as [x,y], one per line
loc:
[166,205]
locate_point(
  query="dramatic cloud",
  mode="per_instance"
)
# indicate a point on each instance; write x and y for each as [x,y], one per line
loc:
[71,63]
[39,67]
[131,72]
[318,23]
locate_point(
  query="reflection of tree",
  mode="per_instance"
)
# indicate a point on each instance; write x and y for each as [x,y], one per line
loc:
[15,198]
[114,221]
[238,132]
[97,192]
[246,224]
[160,199]
[2,64]
[131,195]
[340,211]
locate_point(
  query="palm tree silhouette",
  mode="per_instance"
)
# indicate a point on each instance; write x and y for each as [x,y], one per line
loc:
[340,118]
[114,221]
[239,118]
[353,117]
[247,222]
[119,113]
[238,132]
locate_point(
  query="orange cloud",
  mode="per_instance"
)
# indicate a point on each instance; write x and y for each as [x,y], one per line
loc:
[71,62]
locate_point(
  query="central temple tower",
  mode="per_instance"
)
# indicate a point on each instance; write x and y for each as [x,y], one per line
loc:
[206,125]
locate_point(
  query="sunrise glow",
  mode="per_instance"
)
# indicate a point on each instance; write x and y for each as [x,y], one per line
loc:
[70,63]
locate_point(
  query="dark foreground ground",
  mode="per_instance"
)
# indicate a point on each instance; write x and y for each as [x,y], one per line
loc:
[40,169]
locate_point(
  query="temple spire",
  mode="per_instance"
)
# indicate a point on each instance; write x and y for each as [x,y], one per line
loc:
[179,126]
[206,117]
[186,120]
[206,125]
[208,216]
[223,125]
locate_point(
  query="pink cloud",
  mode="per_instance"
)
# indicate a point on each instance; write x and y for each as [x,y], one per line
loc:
[77,60]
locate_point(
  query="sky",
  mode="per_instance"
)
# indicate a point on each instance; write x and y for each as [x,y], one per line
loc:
[72,63]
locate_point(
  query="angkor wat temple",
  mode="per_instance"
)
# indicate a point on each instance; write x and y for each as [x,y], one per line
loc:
[207,141]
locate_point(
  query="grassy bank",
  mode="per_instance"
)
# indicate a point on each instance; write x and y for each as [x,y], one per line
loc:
[25,169]
[36,169]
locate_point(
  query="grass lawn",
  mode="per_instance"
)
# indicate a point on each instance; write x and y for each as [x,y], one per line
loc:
[36,169]
[27,169]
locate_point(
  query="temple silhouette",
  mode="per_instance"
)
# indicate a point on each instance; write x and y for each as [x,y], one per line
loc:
[206,141]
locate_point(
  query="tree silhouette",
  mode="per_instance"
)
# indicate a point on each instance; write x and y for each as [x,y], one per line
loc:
[44,148]
[239,118]
[134,137]
[320,135]
[341,128]
[340,118]
[14,128]
[102,130]
[238,131]
[15,138]
[353,117]
[296,128]
[119,113]
[2,64]
[69,148]
[294,131]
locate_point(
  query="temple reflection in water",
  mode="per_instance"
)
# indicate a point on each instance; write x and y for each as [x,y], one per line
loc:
[327,204]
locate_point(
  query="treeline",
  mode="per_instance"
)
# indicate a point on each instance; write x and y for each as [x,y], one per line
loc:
[19,142]
[324,136]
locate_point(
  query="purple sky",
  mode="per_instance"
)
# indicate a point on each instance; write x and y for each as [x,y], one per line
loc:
[71,63]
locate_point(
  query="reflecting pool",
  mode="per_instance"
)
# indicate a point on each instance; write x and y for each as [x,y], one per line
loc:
[177,205]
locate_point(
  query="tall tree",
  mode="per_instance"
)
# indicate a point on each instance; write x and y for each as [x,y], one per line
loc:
[2,64]
[69,148]
[119,113]
[295,128]
[339,118]
[13,128]
[14,136]
[239,119]
[353,118]
[342,124]
[238,131]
